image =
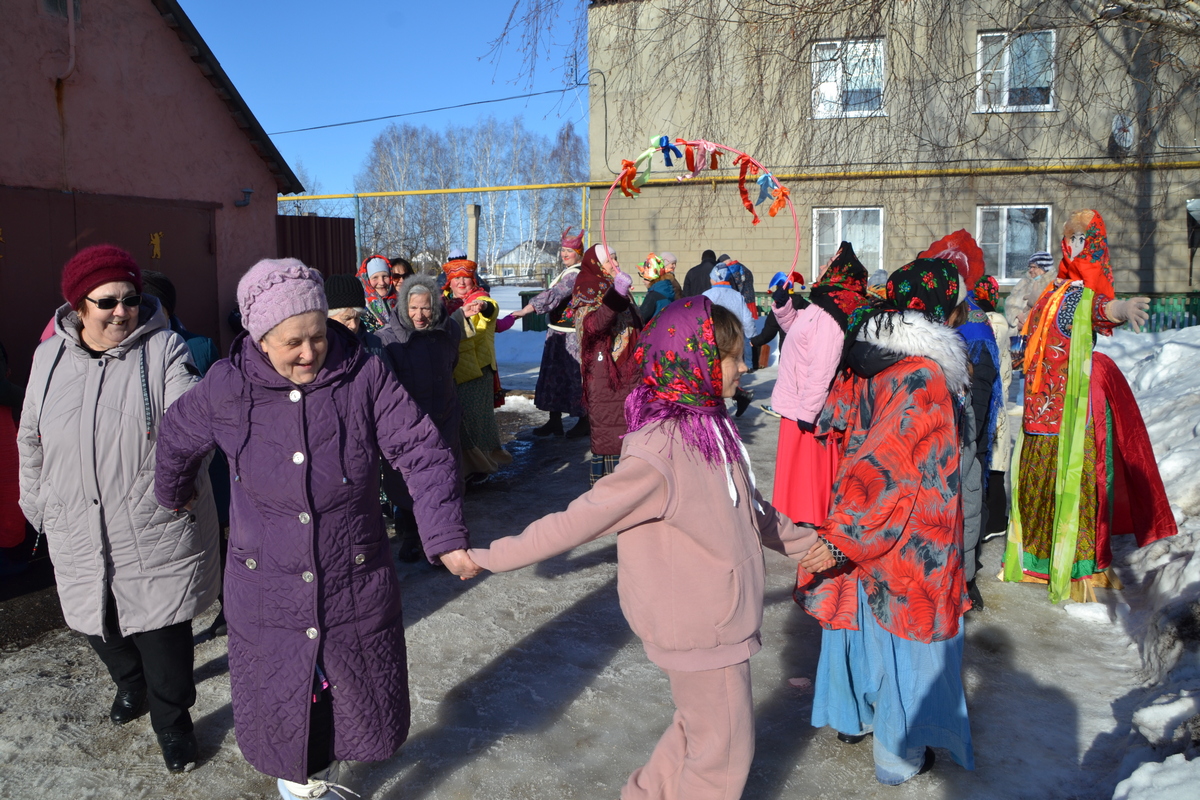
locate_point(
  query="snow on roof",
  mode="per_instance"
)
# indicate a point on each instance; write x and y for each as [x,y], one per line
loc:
[530,252]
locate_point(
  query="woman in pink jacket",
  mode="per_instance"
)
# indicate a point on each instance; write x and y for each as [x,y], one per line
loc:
[683,502]
[818,330]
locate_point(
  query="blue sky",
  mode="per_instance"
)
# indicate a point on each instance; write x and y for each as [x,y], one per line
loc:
[313,62]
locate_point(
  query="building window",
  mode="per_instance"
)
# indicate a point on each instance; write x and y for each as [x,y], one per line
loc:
[847,78]
[1009,235]
[861,227]
[1016,71]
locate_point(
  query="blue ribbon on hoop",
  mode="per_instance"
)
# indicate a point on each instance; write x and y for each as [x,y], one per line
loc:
[764,187]
[667,148]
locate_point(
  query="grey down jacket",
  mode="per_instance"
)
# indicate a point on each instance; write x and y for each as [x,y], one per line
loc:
[87,443]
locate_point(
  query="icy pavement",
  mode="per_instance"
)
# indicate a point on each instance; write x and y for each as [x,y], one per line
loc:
[530,685]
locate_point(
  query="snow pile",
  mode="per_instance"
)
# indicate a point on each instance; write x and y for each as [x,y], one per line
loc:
[1174,779]
[1163,370]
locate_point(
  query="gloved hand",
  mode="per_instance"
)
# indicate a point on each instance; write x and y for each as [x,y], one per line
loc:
[1132,310]
[504,323]
[622,283]
[780,296]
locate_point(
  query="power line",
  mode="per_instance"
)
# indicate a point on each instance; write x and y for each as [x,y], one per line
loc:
[425,111]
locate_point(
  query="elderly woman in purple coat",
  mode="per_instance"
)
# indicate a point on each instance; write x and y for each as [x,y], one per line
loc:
[316,641]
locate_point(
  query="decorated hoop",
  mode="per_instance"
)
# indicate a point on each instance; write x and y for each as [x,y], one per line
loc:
[699,155]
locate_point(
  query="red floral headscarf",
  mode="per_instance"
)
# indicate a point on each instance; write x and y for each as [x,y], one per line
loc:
[987,293]
[682,380]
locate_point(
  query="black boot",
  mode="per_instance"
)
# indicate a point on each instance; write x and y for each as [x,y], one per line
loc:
[976,597]
[581,428]
[128,705]
[553,426]
[179,750]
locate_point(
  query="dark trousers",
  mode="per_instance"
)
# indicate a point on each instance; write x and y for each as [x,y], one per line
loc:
[320,731]
[160,661]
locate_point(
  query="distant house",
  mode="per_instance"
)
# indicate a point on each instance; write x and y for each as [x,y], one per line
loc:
[530,259]
[121,126]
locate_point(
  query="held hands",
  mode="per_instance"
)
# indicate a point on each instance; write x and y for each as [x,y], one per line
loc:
[818,558]
[527,310]
[472,308]
[461,564]
[1133,311]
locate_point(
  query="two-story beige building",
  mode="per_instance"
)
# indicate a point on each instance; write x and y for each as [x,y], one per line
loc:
[895,123]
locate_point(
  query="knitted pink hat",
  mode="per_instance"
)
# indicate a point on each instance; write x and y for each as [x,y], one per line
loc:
[95,266]
[275,289]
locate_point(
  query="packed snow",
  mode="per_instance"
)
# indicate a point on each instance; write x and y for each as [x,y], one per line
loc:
[530,685]
[1163,579]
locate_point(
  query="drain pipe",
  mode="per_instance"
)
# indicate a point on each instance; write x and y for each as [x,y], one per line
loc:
[70,40]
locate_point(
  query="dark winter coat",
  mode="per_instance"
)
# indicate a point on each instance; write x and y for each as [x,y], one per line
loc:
[698,280]
[424,362]
[605,388]
[309,577]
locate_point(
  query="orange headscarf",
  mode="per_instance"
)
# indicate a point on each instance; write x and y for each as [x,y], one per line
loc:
[1091,265]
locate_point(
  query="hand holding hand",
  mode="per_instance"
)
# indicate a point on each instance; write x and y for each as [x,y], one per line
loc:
[526,311]
[1133,311]
[461,564]
[622,283]
[472,308]
[818,558]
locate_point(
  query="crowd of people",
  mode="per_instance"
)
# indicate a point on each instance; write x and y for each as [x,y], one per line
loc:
[153,469]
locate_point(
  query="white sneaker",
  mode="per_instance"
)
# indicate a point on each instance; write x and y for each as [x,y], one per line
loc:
[321,784]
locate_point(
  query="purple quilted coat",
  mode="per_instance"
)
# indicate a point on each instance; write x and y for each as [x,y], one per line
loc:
[309,575]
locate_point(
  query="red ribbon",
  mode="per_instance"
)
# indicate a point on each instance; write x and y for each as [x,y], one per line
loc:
[747,165]
[690,158]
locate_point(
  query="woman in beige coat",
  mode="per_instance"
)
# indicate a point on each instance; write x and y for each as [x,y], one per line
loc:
[683,504]
[131,575]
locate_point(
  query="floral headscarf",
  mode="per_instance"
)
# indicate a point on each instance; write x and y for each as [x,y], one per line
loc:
[987,293]
[590,287]
[841,291]
[652,268]
[929,285]
[1091,265]
[681,380]
[378,308]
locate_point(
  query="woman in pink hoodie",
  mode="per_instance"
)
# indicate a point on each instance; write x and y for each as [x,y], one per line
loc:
[818,332]
[684,504]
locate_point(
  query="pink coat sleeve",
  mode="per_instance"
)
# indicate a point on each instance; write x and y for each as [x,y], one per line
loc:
[823,352]
[785,315]
[634,493]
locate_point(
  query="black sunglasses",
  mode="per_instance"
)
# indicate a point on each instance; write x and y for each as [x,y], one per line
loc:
[109,303]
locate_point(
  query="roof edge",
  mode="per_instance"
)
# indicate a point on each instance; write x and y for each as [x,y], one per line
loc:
[204,59]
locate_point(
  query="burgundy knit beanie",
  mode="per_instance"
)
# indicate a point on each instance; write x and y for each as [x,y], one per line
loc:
[97,265]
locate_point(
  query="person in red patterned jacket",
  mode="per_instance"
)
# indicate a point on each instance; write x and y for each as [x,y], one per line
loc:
[890,594]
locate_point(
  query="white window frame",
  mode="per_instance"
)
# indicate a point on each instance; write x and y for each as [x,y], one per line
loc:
[817,261]
[1005,68]
[819,108]
[1003,226]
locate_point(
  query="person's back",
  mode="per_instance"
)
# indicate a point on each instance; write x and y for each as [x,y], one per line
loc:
[696,282]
